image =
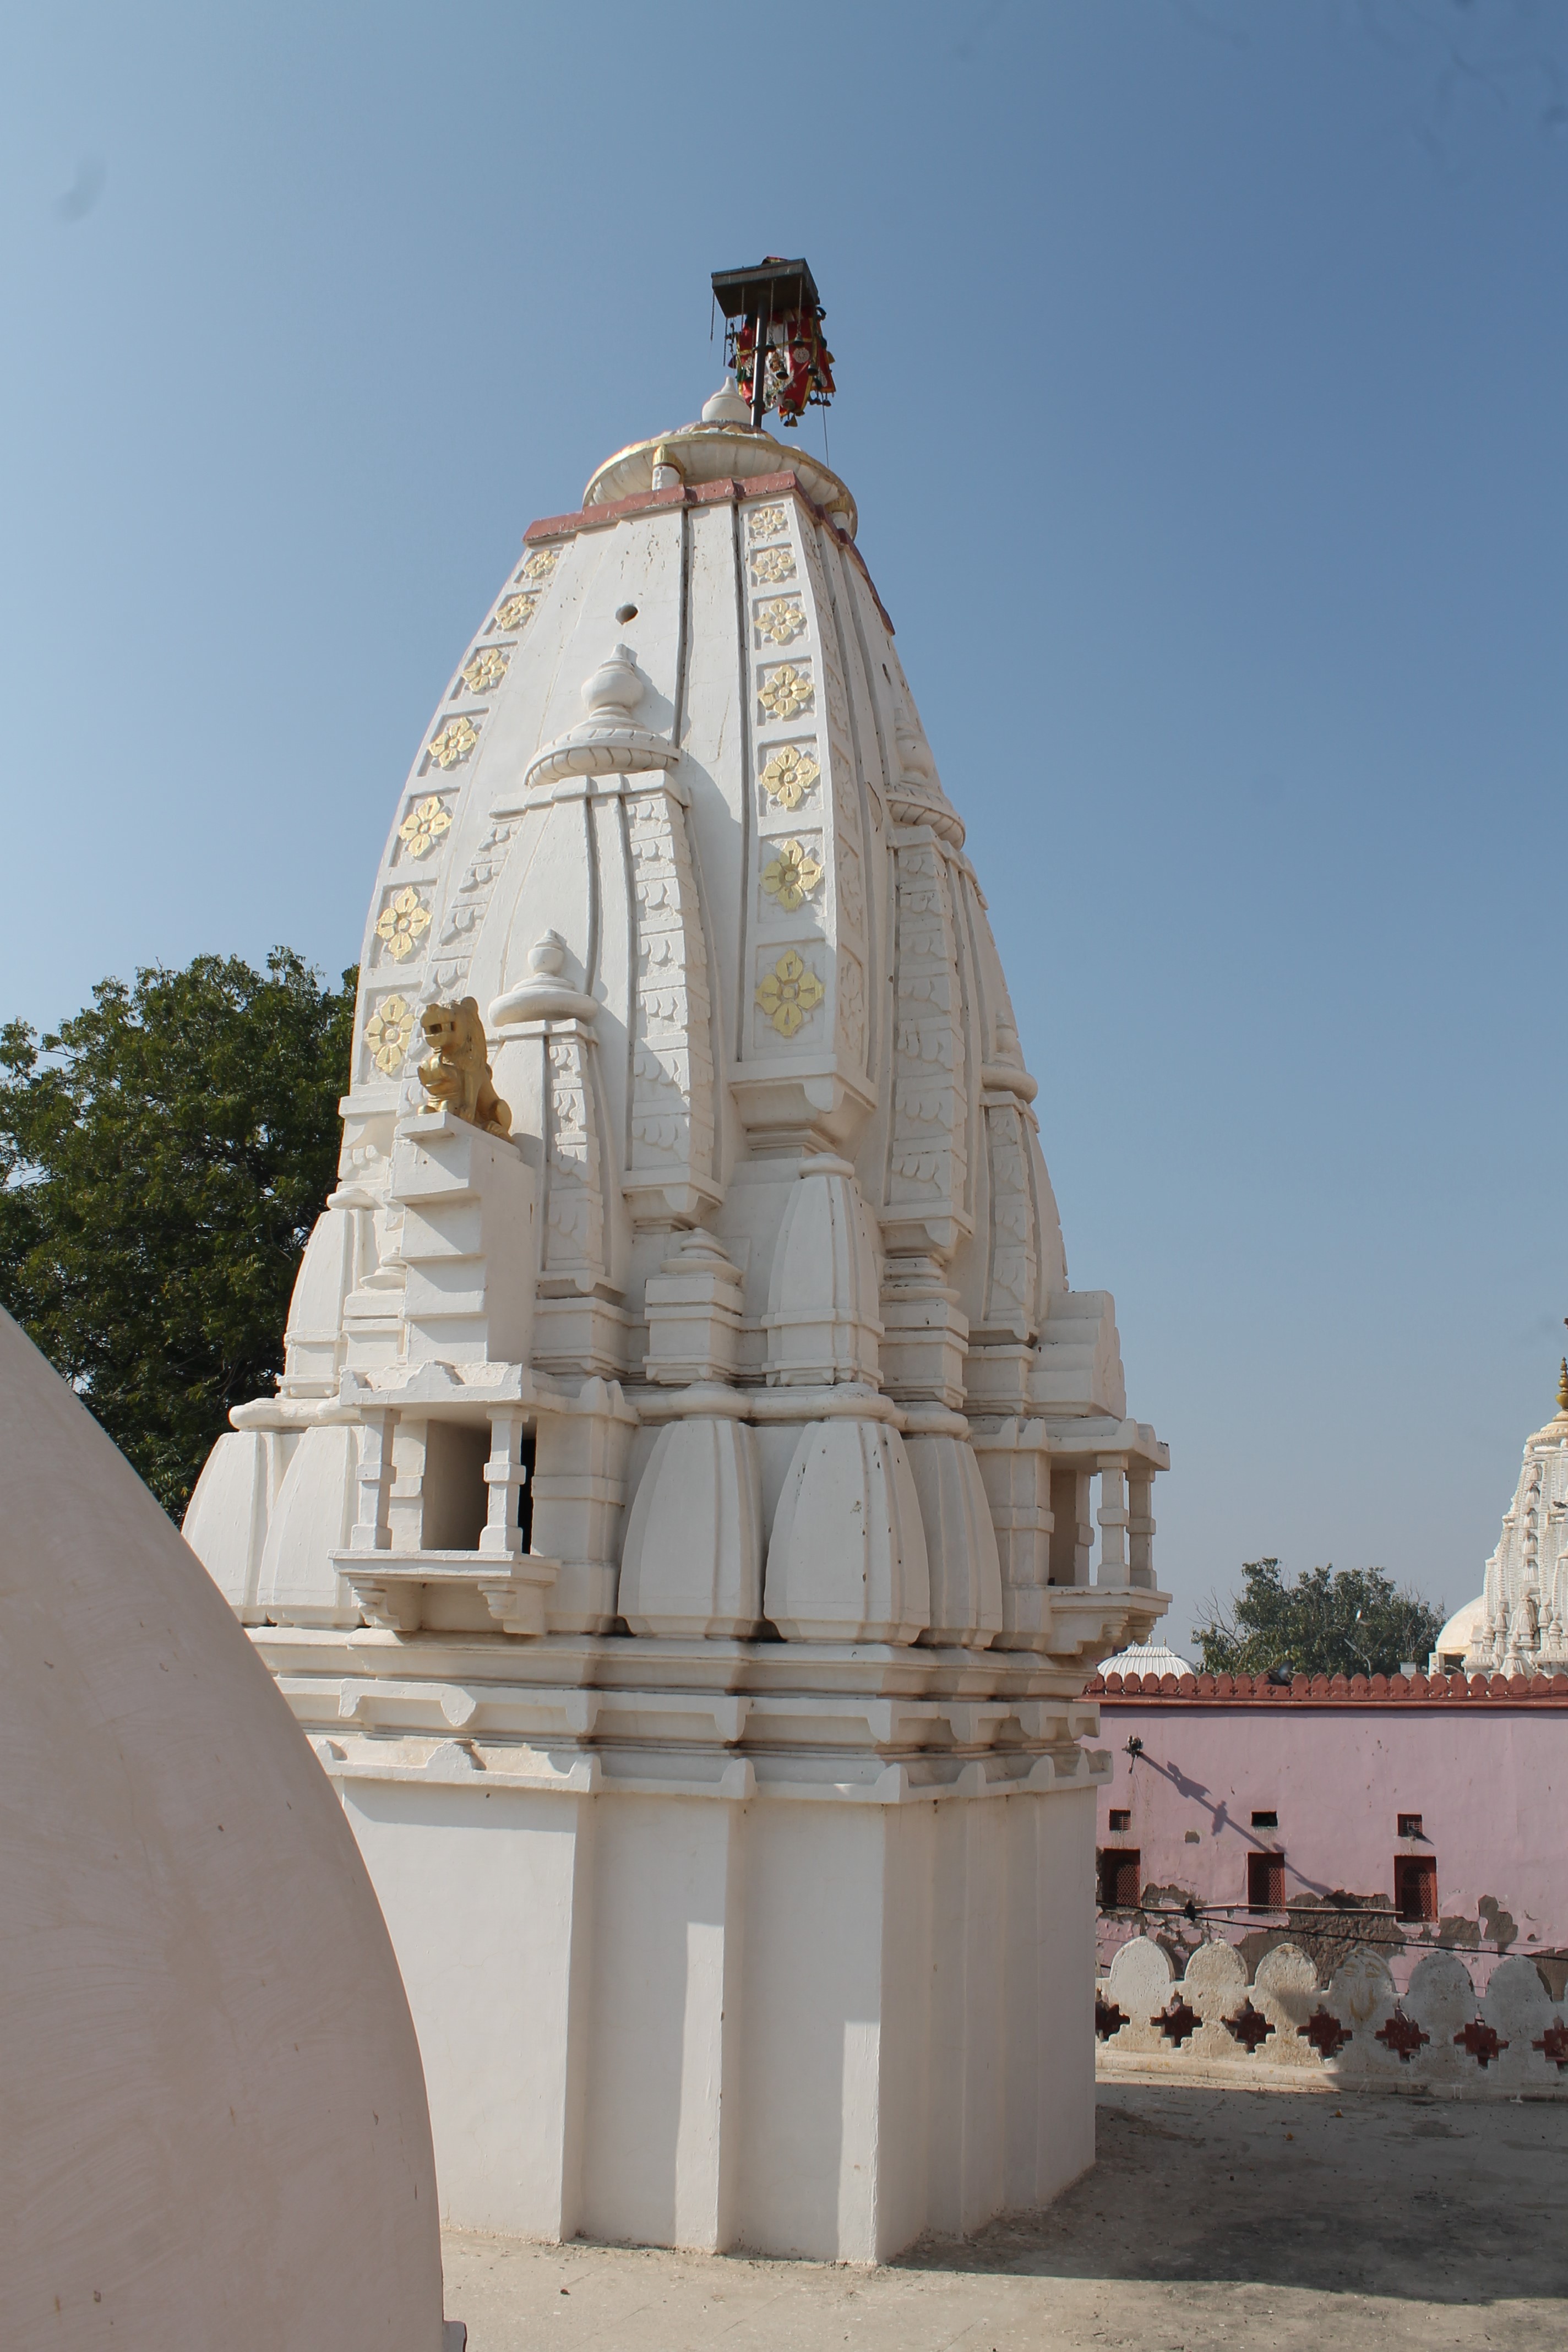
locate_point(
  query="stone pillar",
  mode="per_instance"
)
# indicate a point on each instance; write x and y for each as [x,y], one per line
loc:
[501,1536]
[1113,1468]
[372,1530]
[1140,1527]
[1072,1535]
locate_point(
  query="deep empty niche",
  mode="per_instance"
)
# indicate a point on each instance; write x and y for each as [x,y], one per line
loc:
[455,1494]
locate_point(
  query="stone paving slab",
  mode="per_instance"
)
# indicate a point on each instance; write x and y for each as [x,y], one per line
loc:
[1212,2218]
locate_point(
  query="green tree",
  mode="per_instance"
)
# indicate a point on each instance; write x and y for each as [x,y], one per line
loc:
[1355,1622]
[163,1159]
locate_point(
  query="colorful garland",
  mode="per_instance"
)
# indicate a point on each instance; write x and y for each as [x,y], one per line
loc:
[798,368]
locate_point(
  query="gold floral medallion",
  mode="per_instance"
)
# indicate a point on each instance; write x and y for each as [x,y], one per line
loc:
[789,993]
[767,522]
[786,691]
[515,611]
[401,923]
[789,776]
[423,826]
[487,669]
[780,619]
[770,565]
[387,1034]
[791,875]
[541,564]
[455,742]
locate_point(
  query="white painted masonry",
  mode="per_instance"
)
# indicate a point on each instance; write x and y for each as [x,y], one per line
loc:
[215,2127]
[675,1524]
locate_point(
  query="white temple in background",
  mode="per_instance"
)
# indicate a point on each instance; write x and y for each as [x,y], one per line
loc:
[1520,1626]
[675,1524]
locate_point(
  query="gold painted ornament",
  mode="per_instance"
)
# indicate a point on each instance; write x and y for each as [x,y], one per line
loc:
[770,565]
[790,993]
[387,1034]
[541,564]
[789,776]
[423,826]
[786,691]
[791,875]
[487,669]
[455,742]
[781,619]
[401,922]
[515,611]
[767,522]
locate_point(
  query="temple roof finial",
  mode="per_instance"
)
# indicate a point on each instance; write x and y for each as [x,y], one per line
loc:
[773,333]
[1563,1387]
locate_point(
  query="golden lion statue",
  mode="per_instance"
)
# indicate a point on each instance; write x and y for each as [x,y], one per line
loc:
[456,1077]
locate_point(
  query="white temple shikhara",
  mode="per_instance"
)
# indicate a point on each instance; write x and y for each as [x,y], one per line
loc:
[674,1526]
[1521,1625]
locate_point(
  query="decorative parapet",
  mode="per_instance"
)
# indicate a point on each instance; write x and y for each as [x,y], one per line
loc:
[1332,1690]
[1440,2034]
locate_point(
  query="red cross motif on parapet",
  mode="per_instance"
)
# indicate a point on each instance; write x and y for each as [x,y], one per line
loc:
[1553,2044]
[1176,2021]
[1480,2040]
[1248,2026]
[1401,2033]
[1324,2032]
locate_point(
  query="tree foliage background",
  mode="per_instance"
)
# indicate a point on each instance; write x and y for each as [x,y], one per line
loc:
[1354,1622]
[163,1158]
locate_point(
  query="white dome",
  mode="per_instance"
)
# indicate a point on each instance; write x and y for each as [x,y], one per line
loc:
[1147,1658]
[216,2127]
[1462,1632]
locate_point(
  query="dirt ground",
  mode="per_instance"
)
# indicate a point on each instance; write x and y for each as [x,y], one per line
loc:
[1213,2217]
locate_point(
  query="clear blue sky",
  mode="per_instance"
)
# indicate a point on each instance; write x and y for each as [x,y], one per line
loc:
[1203,390]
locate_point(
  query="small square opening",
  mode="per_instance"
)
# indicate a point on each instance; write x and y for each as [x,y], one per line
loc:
[1120,1882]
[1415,1885]
[1410,1825]
[1265,1882]
[1120,1821]
[1265,1821]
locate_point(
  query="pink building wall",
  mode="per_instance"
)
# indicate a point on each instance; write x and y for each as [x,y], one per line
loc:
[1487,1771]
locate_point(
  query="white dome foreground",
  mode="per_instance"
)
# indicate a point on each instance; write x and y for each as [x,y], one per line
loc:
[1146,1658]
[675,1524]
[214,2129]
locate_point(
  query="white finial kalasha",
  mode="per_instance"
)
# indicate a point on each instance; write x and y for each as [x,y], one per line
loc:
[726,407]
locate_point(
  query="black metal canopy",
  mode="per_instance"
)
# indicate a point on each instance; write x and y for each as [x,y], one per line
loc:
[769,289]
